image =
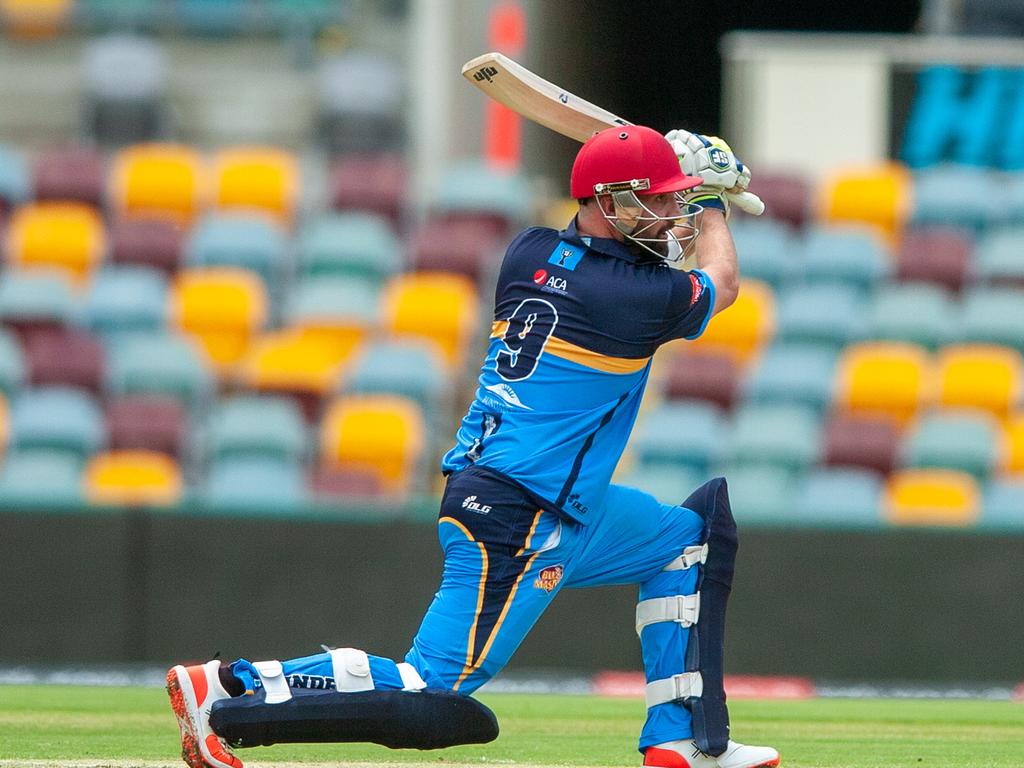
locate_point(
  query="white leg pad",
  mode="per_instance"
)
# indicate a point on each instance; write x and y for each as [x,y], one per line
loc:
[272,676]
[682,609]
[696,555]
[411,680]
[351,670]
[681,686]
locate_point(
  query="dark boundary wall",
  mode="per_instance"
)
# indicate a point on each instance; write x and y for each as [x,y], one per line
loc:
[157,587]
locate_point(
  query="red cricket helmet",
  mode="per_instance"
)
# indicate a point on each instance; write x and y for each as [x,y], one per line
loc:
[637,157]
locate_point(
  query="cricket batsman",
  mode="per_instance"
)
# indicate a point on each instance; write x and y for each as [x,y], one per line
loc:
[529,508]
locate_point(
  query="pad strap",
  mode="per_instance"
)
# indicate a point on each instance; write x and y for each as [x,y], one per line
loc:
[696,555]
[411,680]
[351,670]
[681,686]
[684,609]
[272,676]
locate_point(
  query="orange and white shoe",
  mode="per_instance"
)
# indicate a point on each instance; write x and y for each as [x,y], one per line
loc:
[193,691]
[685,754]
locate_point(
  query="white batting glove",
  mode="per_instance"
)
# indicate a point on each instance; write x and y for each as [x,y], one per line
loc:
[711,159]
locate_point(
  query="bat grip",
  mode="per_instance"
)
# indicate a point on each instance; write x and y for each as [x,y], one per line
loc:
[748,202]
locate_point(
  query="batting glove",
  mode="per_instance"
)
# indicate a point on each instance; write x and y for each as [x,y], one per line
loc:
[711,159]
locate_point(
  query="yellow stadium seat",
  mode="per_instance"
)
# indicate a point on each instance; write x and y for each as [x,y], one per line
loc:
[878,196]
[5,424]
[982,376]
[221,307]
[931,497]
[35,19]
[743,329]
[1013,457]
[259,178]
[166,181]
[439,306]
[132,478]
[383,434]
[558,213]
[884,379]
[65,236]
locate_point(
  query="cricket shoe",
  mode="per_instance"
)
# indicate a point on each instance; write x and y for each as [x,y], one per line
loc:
[686,754]
[193,691]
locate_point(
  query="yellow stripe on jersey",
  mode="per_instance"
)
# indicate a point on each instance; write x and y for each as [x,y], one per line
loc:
[576,354]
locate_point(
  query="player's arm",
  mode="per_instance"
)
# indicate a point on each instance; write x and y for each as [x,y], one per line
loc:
[716,257]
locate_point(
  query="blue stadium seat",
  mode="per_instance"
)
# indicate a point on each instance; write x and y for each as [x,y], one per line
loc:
[249,240]
[1003,504]
[679,433]
[966,441]
[767,250]
[475,188]
[669,485]
[831,316]
[914,312]
[40,476]
[255,485]
[350,244]
[257,426]
[844,255]
[123,300]
[841,496]
[406,367]
[333,301]
[997,257]
[15,180]
[160,363]
[57,419]
[991,316]
[29,298]
[785,436]
[12,364]
[760,494]
[799,374]
[973,207]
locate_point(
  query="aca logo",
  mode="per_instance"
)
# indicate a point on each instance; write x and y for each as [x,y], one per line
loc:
[540,276]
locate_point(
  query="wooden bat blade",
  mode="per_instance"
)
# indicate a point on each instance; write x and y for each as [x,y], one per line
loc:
[536,99]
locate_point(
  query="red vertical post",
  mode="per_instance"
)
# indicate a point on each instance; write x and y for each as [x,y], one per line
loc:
[502,126]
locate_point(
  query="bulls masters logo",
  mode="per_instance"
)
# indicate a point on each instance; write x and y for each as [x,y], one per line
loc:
[549,578]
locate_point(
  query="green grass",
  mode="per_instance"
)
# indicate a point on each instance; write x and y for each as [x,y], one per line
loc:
[51,723]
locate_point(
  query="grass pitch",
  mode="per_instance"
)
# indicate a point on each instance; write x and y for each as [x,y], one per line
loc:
[127,727]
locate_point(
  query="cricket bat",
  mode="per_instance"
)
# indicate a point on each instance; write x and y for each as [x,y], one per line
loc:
[545,103]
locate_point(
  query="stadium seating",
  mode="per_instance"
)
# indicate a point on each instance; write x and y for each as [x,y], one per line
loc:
[15,183]
[787,197]
[991,316]
[979,376]
[56,419]
[342,311]
[40,477]
[148,423]
[68,237]
[969,442]
[884,378]
[997,258]
[35,19]
[222,308]
[841,496]
[931,497]
[800,374]
[468,247]
[247,426]
[261,179]
[1003,505]
[125,300]
[160,364]
[474,190]
[938,255]
[710,376]
[153,243]
[248,240]
[254,484]
[437,306]
[785,436]
[972,208]
[71,357]
[744,328]
[830,316]
[844,255]
[380,433]
[350,244]
[159,181]
[878,196]
[767,250]
[74,173]
[669,485]
[869,442]
[679,434]
[761,494]
[913,312]
[361,98]
[345,484]
[371,183]
[32,302]
[132,478]
[411,368]
[1013,456]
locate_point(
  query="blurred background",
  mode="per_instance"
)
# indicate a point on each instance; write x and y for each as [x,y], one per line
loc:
[248,260]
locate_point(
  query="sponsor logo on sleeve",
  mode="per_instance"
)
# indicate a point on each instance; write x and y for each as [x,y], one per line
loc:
[566,255]
[540,276]
[548,578]
[698,288]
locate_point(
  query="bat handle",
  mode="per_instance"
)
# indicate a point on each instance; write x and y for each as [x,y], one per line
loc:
[748,202]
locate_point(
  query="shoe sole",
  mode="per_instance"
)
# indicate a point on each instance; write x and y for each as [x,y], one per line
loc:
[191,752]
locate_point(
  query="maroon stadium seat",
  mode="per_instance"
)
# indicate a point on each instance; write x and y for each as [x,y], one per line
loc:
[73,173]
[711,376]
[66,356]
[940,256]
[153,243]
[147,422]
[861,441]
[786,196]
[467,247]
[340,483]
[374,183]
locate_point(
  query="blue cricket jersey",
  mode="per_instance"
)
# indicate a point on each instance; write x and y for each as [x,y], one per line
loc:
[576,322]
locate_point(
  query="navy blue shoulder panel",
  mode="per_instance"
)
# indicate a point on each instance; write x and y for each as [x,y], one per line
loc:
[605,304]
